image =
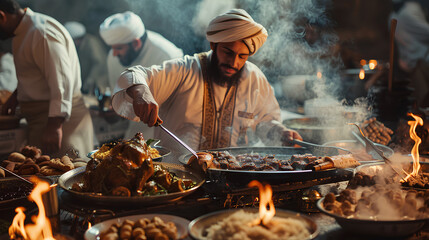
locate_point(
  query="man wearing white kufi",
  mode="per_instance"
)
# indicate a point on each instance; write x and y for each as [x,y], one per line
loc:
[131,44]
[212,99]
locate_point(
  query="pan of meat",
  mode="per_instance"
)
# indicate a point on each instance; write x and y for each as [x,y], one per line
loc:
[126,174]
[237,166]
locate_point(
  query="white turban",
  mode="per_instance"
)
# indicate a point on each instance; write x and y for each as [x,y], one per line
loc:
[75,29]
[121,28]
[234,25]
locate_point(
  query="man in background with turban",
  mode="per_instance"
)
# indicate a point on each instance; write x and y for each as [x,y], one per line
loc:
[210,100]
[131,44]
[49,82]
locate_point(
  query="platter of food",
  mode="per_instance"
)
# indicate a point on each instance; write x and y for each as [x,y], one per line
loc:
[145,226]
[238,223]
[31,161]
[126,174]
[74,177]
[275,165]
[375,200]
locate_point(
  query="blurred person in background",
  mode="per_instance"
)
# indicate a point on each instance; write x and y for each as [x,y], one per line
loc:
[48,72]
[412,39]
[132,44]
[8,79]
[92,57]
[212,99]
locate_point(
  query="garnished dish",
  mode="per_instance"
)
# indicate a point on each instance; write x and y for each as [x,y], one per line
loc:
[145,226]
[30,161]
[269,162]
[126,169]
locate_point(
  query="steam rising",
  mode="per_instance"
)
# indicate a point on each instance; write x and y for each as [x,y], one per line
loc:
[301,41]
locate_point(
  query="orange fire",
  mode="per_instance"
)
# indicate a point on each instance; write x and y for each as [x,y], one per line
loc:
[372,64]
[417,140]
[362,62]
[41,229]
[266,205]
[319,75]
[361,74]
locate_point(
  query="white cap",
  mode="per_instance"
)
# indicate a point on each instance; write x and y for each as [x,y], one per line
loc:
[75,29]
[121,28]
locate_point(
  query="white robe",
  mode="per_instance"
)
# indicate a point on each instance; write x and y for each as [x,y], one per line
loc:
[156,50]
[178,87]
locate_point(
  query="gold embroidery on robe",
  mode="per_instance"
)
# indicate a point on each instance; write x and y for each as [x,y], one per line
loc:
[213,136]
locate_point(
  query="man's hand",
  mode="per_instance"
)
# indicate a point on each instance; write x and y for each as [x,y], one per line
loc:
[52,138]
[288,135]
[145,106]
[10,105]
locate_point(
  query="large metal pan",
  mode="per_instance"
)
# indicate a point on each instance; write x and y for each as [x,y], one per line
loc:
[240,178]
[74,176]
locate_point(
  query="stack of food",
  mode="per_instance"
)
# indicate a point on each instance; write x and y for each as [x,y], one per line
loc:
[376,131]
[126,169]
[141,229]
[30,161]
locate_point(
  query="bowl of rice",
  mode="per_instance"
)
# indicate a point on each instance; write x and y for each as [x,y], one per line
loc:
[237,224]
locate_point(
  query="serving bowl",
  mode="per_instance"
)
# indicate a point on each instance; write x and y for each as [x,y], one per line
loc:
[198,227]
[376,228]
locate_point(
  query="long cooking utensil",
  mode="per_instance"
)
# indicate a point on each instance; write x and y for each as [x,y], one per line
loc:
[321,150]
[178,140]
[16,175]
[369,144]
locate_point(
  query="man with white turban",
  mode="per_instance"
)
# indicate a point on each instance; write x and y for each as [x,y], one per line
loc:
[131,44]
[210,100]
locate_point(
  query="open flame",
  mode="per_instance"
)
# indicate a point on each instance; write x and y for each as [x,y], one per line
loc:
[415,150]
[362,62]
[41,228]
[361,74]
[266,205]
[372,64]
[319,75]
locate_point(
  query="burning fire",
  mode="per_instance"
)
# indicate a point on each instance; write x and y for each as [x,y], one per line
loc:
[415,150]
[41,229]
[362,62]
[361,74]
[372,64]
[266,205]
[319,75]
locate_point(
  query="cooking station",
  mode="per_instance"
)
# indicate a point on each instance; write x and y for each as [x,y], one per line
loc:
[264,120]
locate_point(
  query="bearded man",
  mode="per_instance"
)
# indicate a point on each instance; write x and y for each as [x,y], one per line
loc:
[131,44]
[212,99]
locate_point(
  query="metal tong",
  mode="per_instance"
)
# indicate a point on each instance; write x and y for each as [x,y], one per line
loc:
[321,150]
[16,175]
[177,139]
[369,145]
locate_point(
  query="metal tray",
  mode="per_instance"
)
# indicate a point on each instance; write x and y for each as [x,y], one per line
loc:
[73,176]
[243,177]
[197,228]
